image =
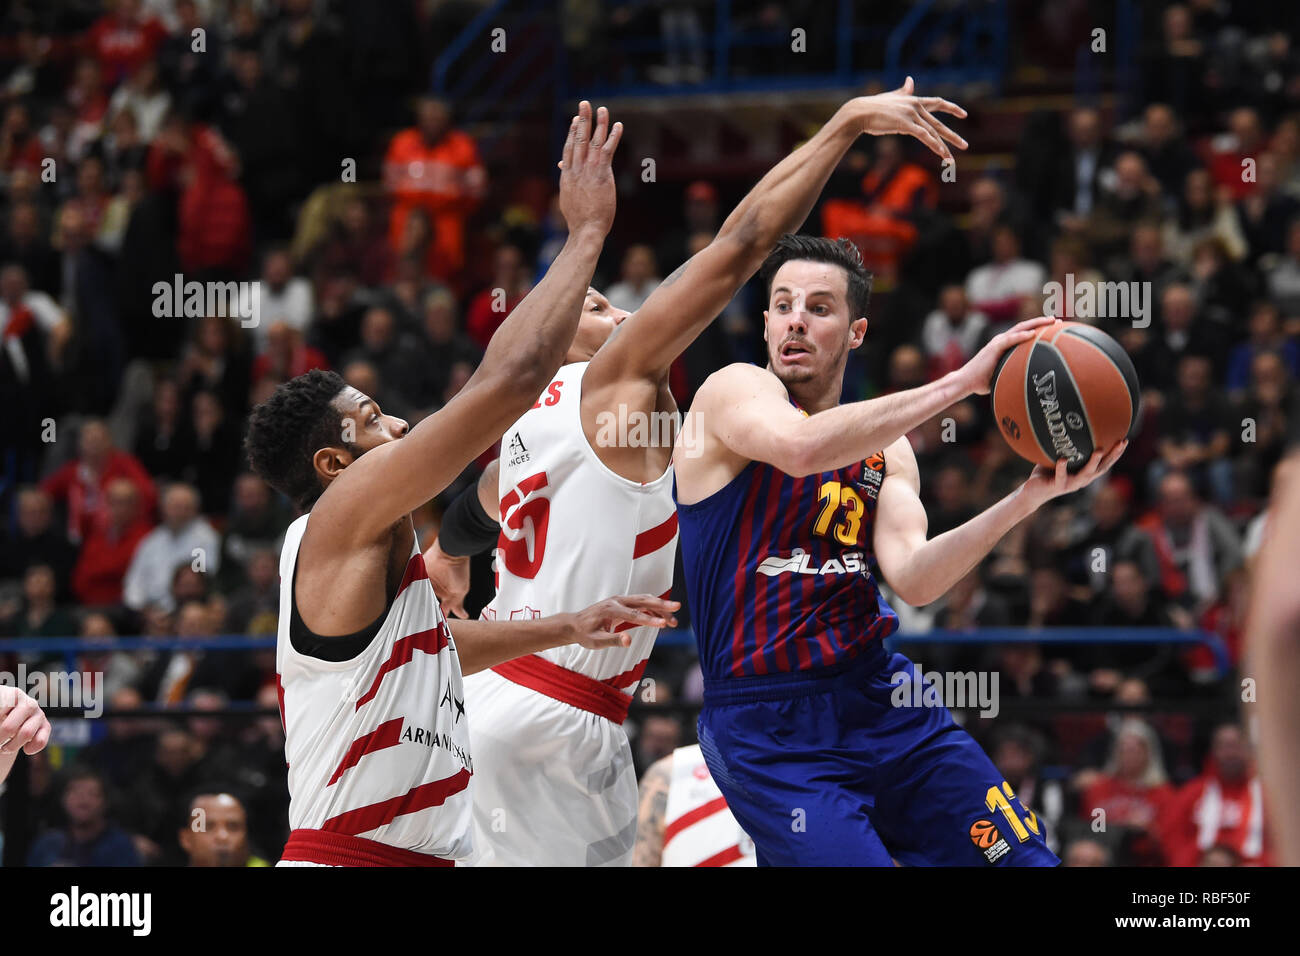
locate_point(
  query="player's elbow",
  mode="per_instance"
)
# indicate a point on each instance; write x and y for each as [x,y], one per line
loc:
[799,452]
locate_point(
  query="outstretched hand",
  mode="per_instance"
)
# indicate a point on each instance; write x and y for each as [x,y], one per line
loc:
[1044,483]
[595,627]
[587,192]
[899,111]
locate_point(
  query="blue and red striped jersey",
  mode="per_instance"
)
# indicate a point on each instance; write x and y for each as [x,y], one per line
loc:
[779,570]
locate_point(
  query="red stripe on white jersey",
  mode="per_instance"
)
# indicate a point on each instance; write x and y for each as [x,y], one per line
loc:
[387,734]
[647,542]
[693,816]
[430,642]
[729,855]
[365,819]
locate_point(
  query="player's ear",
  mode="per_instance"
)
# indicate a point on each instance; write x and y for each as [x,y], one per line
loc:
[857,332]
[765,325]
[330,462]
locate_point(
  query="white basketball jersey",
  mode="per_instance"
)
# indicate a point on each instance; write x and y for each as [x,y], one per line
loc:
[573,532]
[378,746]
[699,830]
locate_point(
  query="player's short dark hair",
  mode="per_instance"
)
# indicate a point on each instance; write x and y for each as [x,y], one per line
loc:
[836,252]
[289,427]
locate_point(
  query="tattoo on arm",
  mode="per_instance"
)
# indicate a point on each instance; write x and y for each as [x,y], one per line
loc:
[676,274]
[650,815]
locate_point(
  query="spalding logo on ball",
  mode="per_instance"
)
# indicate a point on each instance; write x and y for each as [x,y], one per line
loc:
[1068,391]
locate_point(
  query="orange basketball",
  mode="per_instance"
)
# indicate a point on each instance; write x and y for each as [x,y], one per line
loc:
[1068,391]
[984,834]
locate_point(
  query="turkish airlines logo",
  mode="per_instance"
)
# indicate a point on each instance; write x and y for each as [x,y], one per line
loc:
[800,562]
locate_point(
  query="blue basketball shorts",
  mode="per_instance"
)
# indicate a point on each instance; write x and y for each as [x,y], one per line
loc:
[828,770]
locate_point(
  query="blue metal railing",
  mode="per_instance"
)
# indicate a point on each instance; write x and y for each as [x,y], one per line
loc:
[682,637]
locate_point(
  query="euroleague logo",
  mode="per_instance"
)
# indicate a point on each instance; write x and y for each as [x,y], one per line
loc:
[1010,426]
[988,840]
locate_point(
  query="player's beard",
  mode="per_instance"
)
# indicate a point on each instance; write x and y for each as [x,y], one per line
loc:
[796,374]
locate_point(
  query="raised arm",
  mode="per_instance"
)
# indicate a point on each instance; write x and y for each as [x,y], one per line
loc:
[743,413]
[392,480]
[921,570]
[648,342]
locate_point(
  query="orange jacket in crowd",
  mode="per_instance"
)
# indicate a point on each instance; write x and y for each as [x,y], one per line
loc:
[879,223]
[446,180]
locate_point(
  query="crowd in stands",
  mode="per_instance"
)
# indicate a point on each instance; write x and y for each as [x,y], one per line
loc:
[141,141]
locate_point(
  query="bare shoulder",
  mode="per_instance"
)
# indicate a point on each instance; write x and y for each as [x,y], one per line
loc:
[900,462]
[739,381]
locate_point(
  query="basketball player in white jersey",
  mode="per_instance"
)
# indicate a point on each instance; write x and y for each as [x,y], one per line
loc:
[583,496]
[370,679]
[684,820]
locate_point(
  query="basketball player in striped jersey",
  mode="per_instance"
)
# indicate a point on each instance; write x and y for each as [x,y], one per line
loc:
[790,505]
[684,820]
[580,501]
[371,689]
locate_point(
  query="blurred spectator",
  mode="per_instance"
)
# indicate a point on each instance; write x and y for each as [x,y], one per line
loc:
[434,168]
[1263,416]
[1266,336]
[80,485]
[1107,536]
[1202,215]
[282,296]
[37,539]
[1167,155]
[1131,196]
[144,97]
[491,307]
[261,595]
[257,519]
[25,244]
[659,737]
[183,538]
[953,332]
[89,837]
[443,344]
[215,832]
[1223,806]
[107,552]
[124,39]
[1080,167]
[1235,151]
[173,676]
[1132,792]
[1284,277]
[395,357]
[1197,431]
[193,162]
[39,614]
[1266,212]
[163,440]
[1196,545]
[1086,852]
[637,279]
[998,288]
[699,215]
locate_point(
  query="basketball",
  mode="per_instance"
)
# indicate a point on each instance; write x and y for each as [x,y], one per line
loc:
[1067,392]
